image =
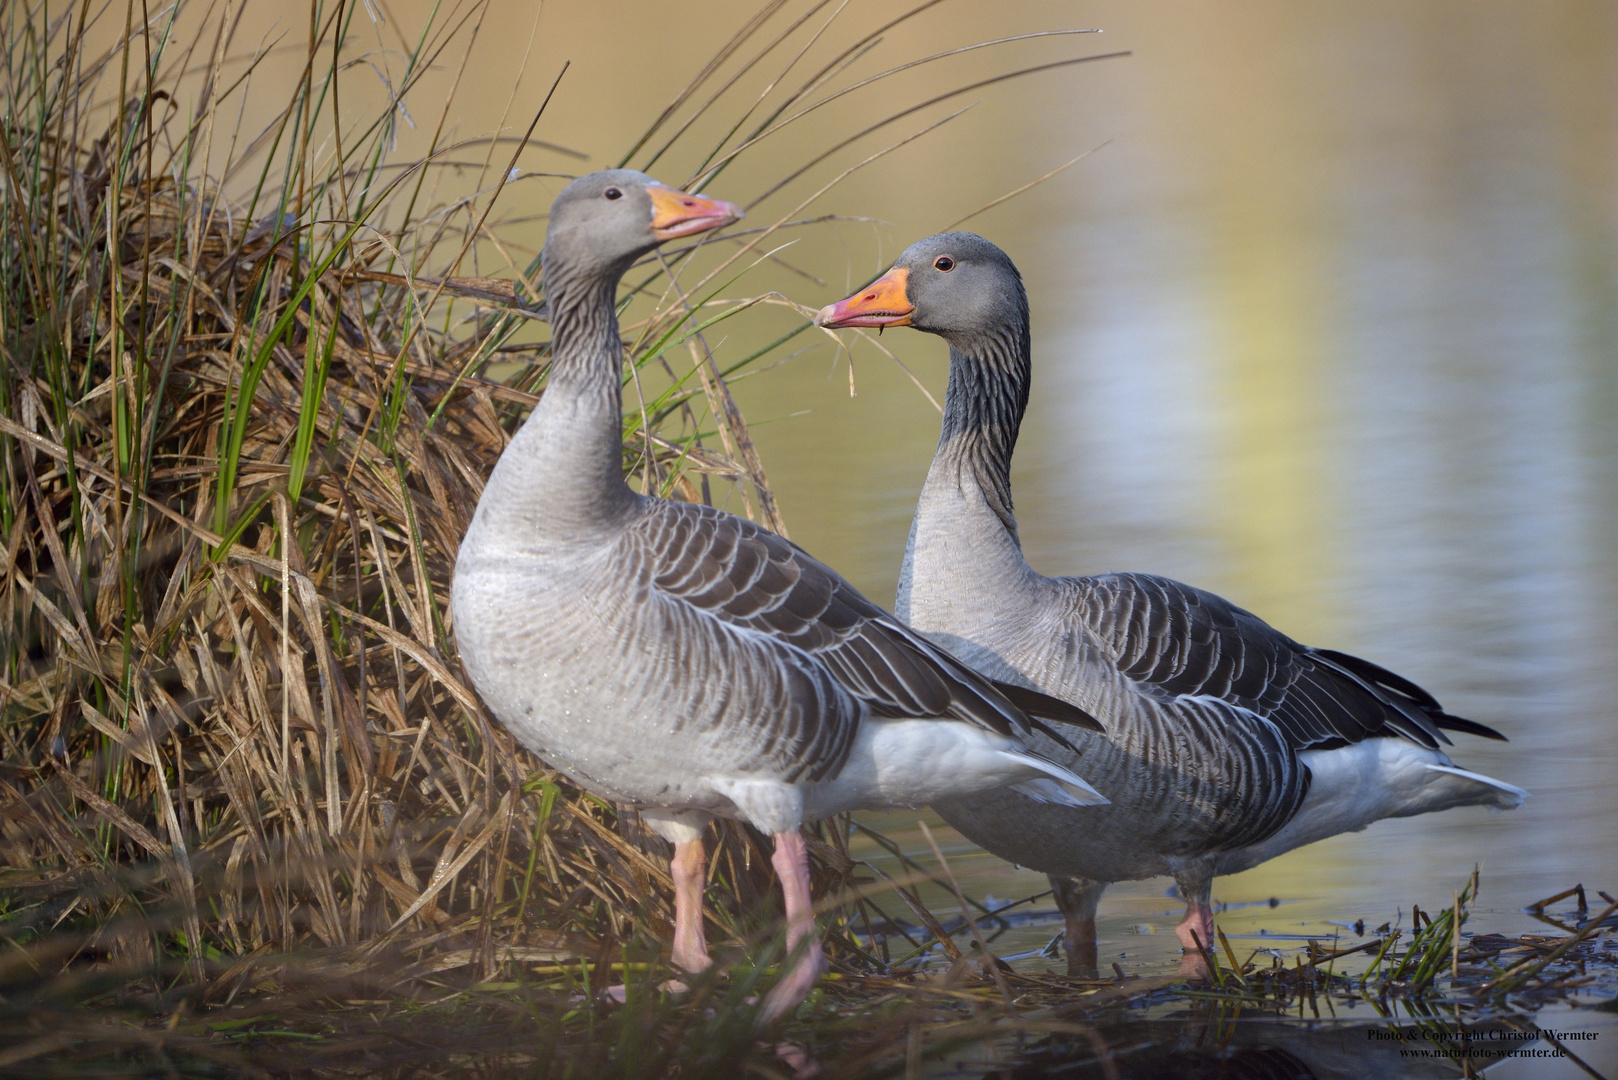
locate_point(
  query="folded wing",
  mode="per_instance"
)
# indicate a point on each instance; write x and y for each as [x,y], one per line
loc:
[751,580]
[1176,641]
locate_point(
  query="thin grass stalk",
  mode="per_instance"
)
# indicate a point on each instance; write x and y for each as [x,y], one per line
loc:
[711,168]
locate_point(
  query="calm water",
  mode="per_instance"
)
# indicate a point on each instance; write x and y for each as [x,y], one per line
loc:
[1329,326]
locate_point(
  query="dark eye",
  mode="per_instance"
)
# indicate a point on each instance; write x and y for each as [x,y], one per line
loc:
[944,264]
[613,193]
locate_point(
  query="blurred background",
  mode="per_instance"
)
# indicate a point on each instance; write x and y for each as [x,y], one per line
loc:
[1326,323]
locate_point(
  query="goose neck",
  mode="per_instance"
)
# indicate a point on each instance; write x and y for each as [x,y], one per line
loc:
[562,474]
[964,535]
[983,410]
[586,353]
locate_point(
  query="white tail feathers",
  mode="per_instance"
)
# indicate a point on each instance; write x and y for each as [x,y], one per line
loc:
[1058,787]
[1510,796]
[1049,792]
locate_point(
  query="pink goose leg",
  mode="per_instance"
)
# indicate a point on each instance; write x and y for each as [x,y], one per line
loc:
[689,870]
[1077,899]
[1195,884]
[1199,917]
[791,861]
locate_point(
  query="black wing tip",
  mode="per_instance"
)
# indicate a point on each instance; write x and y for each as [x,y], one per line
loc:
[1377,674]
[1470,727]
[1431,711]
[1040,706]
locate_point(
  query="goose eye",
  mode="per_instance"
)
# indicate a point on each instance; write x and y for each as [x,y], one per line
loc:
[613,193]
[944,264]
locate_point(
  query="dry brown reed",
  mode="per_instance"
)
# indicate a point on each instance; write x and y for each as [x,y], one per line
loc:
[241,434]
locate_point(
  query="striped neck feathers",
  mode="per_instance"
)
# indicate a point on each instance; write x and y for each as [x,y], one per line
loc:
[562,475]
[586,351]
[989,374]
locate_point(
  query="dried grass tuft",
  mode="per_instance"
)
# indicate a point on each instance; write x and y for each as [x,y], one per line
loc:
[245,414]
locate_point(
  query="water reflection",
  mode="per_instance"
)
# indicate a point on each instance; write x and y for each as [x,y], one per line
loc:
[1203,1047]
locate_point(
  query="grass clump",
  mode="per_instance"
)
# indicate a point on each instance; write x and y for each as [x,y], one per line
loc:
[1435,961]
[249,392]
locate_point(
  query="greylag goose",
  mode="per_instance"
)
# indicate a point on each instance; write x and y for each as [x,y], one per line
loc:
[1226,742]
[685,661]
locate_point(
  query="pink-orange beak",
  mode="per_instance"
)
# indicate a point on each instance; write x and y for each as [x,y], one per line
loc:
[881,303]
[676,214]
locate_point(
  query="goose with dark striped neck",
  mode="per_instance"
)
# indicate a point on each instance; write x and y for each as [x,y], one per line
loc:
[1226,742]
[685,661]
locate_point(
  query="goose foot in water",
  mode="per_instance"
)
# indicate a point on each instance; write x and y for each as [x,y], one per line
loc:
[1193,966]
[1200,921]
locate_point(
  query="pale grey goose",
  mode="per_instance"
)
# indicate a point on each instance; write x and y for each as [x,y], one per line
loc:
[1226,742]
[686,661]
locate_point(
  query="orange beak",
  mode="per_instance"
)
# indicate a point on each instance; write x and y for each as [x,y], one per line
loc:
[675,214]
[881,303]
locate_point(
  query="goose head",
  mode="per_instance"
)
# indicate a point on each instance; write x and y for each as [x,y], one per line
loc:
[956,285]
[601,223]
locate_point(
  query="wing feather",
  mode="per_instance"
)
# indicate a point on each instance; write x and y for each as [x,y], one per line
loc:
[1176,641]
[744,577]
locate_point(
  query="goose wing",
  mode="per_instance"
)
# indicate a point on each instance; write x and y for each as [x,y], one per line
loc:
[746,577]
[1178,642]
